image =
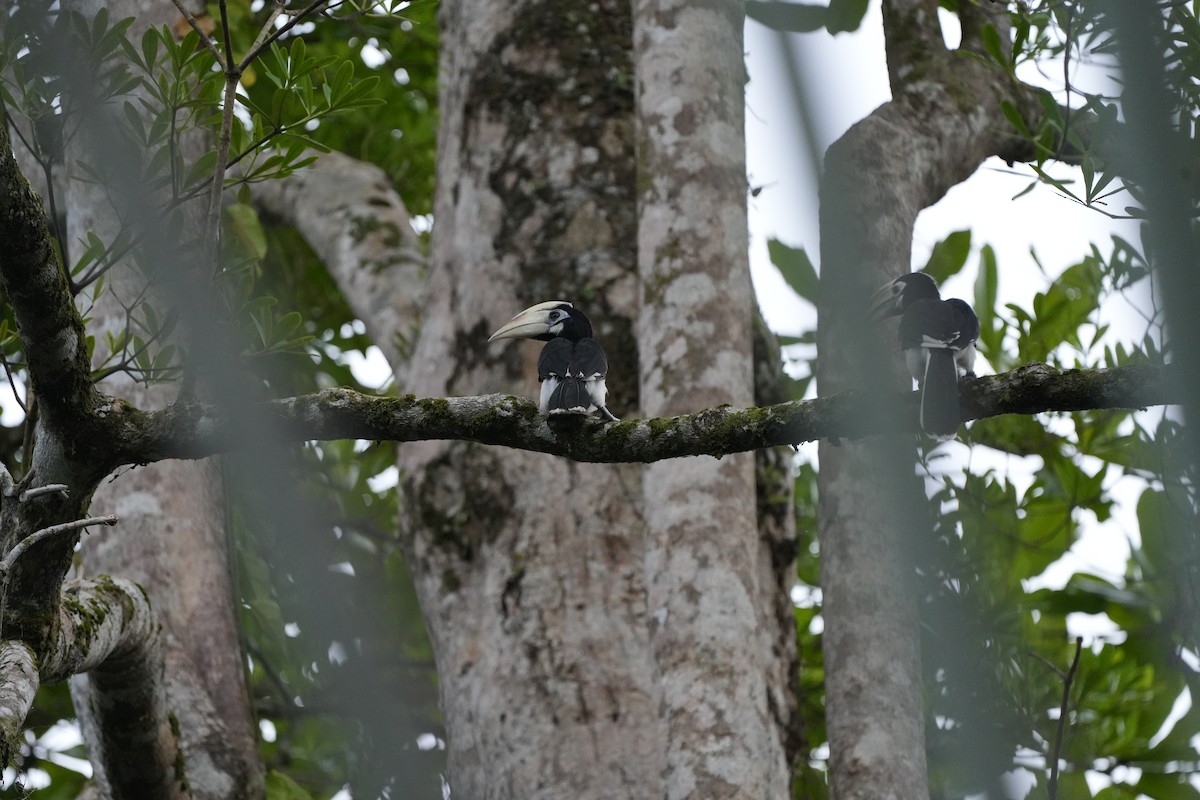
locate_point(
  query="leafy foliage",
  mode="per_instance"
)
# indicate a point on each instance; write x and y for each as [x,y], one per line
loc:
[346,690]
[397,129]
[997,636]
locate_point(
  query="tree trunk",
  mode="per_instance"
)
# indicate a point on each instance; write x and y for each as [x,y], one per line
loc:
[943,121]
[583,649]
[709,573]
[529,568]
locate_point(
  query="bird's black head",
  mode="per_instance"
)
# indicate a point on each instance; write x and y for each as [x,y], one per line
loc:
[892,298]
[546,321]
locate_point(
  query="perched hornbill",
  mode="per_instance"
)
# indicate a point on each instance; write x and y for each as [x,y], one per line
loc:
[937,336]
[572,366]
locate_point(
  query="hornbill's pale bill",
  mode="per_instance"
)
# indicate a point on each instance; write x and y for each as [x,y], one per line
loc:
[572,366]
[937,336]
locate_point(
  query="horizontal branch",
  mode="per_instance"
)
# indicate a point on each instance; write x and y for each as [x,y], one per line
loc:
[100,621]
[106,627]
[195,430]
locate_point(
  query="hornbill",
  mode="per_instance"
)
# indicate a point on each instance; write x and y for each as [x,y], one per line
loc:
[937,336]
[572,366]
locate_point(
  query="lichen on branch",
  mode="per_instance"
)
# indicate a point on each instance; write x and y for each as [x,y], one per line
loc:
[194,430]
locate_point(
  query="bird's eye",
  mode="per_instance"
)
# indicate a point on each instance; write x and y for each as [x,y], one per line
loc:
[555,315]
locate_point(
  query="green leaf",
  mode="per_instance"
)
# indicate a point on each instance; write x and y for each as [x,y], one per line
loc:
[242,220]
[134,118]
[281,787]
[1013,115]
[793,17]
[150,44]
[286,325]
[1032,185]
[845,15]
[948,256]
[991,328]
[1163,519]
[796,268]
[151,319]
[1059,312]
[201,172]
[341,79]
[358,95]
[991,44]
[94,252]
[164,361]
[297,56]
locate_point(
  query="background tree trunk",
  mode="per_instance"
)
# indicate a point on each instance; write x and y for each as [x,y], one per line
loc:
[709,572]
[943,121]
[529,568]
[562,670]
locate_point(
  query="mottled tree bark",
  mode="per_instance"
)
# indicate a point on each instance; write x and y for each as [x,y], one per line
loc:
[943,120]
[558,673]
[529,568]
[709,574]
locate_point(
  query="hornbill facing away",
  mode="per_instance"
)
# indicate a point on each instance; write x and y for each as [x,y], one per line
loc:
[937,336]
[572,366]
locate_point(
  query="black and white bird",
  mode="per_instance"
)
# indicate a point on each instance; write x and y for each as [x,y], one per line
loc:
[572,366]
[938,337]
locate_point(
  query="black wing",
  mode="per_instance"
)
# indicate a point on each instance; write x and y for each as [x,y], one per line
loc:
[938,325]
[966,322]
[555,359]
[588,361]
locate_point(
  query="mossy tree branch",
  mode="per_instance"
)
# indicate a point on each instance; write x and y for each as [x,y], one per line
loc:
[195,430]
[105,626]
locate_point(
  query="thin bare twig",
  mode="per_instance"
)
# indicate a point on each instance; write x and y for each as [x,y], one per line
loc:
[265,31]
[217,187]
[228,40]
[204,37]
[45,533]
[1062,143]
[12,383]
[1052,784]
[49,488]
[308,10]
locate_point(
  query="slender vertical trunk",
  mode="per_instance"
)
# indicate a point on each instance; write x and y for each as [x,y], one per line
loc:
[529,567]
[709,594]
[943,121]
[584,636]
